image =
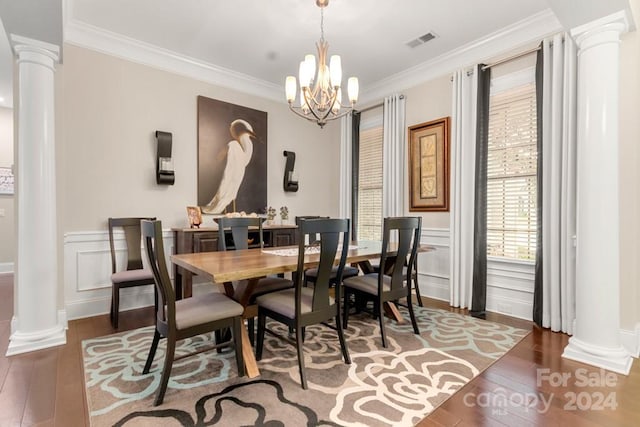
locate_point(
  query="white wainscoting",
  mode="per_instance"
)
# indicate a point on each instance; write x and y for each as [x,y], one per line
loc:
[87,272]
[509,284]
[510,287]
[433,267]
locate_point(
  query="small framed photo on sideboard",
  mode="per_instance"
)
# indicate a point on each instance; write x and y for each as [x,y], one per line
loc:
[195,216]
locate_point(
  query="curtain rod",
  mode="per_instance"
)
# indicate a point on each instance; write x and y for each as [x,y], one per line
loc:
[511,58]
[378,105]
[371,107]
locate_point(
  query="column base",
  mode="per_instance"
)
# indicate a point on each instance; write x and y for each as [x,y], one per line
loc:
[23,342]
[613,359]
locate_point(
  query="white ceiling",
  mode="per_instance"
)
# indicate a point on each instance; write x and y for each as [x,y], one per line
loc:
[261,42]
[267,39]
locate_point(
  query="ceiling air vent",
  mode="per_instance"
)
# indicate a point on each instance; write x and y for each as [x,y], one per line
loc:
[420,40]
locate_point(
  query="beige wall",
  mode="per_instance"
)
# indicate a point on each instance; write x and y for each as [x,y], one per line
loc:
[630,175]
[7,224]
[426,102]
[108,110]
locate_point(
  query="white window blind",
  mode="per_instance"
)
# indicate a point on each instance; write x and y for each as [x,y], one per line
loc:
[511,174]
[370,184]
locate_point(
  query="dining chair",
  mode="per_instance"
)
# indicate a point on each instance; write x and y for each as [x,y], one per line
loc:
[239,238]
[177,320]
[302,306]
[390,285]
[414,278]
[311,274]
[134,274]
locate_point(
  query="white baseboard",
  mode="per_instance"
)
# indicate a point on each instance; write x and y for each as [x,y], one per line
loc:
[26,342]
[613,359]
[630,340]
[6,267]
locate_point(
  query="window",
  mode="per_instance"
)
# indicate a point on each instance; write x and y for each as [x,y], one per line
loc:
[511,173]
[370,184]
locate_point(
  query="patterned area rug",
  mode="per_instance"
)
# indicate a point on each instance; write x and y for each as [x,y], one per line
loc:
[396,386]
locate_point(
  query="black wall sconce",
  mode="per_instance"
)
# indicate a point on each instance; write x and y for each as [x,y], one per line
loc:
[164,164]
[289,183]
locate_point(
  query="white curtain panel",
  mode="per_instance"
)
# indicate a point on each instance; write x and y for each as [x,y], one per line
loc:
[393,156]
[559,183]
[345,167]
[463,150]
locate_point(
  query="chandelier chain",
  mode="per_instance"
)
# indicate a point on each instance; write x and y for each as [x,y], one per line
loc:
[322,24]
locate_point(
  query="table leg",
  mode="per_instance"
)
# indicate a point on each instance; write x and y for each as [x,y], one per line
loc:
[183,284]
[393,312]
[247,353]
[250,311]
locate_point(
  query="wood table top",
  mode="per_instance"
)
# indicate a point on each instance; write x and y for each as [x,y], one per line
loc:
[229,266]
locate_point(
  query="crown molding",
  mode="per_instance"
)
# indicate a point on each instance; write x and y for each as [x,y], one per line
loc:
[511,37]
[531,29]
[91,37]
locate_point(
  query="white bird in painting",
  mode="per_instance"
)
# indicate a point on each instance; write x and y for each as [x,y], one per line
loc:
[239,152]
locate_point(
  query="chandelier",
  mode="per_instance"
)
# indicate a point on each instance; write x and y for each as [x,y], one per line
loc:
[321,97]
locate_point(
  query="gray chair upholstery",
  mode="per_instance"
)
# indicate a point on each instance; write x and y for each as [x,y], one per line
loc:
[389,287]
[414,279]
[303,306]
[239,238]
[135,274]
[177,320]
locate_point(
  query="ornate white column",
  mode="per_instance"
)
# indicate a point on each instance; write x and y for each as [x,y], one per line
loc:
[597,329]
[36,323]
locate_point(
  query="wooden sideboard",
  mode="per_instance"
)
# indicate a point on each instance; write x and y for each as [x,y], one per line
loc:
[192,240]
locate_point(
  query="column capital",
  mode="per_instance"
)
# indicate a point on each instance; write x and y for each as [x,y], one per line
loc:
[603,30]
[35,51]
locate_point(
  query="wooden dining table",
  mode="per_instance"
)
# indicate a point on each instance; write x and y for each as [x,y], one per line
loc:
[252,265]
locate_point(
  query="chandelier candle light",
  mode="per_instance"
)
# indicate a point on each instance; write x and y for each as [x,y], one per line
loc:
[321,98]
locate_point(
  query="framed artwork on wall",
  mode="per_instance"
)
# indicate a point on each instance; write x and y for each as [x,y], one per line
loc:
[429,166]
[6,181]
[232,157]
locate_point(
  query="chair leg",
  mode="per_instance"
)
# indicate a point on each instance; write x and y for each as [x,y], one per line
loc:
[345,321]
[111,308]
[417,287]
[251,327]
[116,306]
[260,343]
[237,340]
[152,352]
[166,371]
[413,316]
[299,338]
[383,334]
[343,343]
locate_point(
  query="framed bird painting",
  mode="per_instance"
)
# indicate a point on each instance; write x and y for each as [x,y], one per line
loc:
[232,157]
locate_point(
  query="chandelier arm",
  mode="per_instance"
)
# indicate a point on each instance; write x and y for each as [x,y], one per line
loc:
[320,122]
[317,119]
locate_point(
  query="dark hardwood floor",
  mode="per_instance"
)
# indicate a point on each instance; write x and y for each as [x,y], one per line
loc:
[46,388]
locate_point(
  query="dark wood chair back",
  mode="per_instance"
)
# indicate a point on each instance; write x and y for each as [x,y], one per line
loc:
[131,228]
[330,233]
[239,232]
[166,307]
[312,237]
[405,232]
